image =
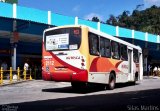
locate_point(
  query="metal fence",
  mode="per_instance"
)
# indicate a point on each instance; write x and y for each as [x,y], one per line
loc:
[10,76]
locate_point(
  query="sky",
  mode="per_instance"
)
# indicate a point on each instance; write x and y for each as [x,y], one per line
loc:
[86,9]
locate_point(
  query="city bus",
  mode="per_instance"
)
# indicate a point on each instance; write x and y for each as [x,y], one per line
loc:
[80,54]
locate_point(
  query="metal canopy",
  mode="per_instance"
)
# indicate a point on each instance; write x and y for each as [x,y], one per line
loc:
[28,31]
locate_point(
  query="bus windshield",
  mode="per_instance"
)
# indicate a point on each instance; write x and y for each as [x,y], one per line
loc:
[63,39]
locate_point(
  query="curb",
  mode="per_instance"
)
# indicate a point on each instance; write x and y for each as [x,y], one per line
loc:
[13,83]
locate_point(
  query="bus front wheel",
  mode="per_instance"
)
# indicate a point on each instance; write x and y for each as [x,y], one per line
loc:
[135,79]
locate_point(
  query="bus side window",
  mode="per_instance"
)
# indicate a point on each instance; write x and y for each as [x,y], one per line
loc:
[93,44]
[105,49]
[124,55]
[135,56]
[115,50]
[102,47]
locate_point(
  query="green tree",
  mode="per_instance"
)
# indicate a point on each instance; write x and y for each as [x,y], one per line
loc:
[112,20]
[147,20]
[11,1]
[95,19]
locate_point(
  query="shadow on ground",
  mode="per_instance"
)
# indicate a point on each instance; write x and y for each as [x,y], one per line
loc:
[123,101]
[84,90]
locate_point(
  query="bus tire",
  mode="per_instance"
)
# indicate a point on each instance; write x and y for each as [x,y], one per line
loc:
[135,78]
[112,81]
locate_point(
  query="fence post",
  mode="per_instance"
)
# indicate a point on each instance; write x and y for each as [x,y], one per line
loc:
[1,75]
[10,80]
[30,77]
[18,73]
[24,73]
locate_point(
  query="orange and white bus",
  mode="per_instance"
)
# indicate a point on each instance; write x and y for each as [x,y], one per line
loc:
[80,55]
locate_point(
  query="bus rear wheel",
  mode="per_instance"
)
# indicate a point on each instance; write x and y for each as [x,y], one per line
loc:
[112,81]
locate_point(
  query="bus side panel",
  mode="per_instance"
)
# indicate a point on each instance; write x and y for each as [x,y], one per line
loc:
[101,64]
[101,67]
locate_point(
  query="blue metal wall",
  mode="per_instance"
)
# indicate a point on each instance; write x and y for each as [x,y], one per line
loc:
[152,38]
[139,35]
[39,16]
[88,23]
[125,33]
[32,14]
[59,20]
[108,29]
[6,10]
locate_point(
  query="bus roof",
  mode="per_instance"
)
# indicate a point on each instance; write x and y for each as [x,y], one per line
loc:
[99,33]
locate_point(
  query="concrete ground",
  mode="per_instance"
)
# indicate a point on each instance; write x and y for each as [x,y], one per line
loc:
[39,95]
